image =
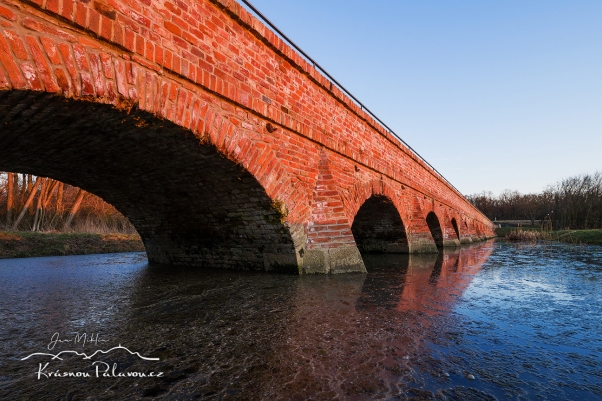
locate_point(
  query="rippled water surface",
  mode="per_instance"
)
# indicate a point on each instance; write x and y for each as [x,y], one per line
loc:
[494,321]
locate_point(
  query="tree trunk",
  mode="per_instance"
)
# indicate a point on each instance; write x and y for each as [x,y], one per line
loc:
[9,198]
[36,217]
[48,196]
[74,208]
[59,199]
[22,192]
[32,194]
[30,186]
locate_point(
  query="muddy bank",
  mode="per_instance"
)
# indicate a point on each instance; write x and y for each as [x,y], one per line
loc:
[28,244]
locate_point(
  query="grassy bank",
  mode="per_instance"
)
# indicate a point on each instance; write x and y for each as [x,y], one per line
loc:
[578,236]
[593,237]
[28,244]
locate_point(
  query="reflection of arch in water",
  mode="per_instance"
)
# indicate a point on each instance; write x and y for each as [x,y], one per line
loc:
[385,282]
[190,203]
[437,269]
[429,283]
[436,281]
[378,227]
[435,228]
[333,319]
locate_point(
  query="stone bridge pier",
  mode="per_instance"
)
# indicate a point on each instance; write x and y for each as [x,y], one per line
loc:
[219,142]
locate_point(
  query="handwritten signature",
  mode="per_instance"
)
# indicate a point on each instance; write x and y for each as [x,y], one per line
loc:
[80,339]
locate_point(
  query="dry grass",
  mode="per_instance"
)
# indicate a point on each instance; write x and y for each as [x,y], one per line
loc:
[93,225]
[533,234]
[525,236]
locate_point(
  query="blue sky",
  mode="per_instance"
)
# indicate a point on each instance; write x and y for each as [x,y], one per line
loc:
[495,94]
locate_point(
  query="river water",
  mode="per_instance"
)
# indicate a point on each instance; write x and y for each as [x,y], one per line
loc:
[493,321]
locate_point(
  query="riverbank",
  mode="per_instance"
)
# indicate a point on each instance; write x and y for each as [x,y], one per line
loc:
[25,244]
[592,237]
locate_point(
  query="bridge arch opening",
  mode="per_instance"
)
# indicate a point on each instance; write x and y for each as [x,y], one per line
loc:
[435,227]
[378,227]
[190,204]
[454,224]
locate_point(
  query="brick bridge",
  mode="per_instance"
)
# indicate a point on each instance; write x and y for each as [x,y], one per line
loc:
[221,144]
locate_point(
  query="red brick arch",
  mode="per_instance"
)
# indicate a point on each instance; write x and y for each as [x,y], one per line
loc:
[362,191]
[385,226]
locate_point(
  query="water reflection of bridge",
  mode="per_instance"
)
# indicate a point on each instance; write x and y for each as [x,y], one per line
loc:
[365,335]
[418,282]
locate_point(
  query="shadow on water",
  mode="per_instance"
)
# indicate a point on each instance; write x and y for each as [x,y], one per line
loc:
[414,326]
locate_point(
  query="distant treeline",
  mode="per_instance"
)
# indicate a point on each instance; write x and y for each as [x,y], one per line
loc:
[573,203]
[28,202]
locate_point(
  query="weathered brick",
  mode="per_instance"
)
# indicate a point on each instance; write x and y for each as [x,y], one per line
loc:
[43,67]
[173,28]
[81,14]
[53,6]
[131,73]
[107,65]
[130,39]
[106,10]
[51,50]
[140,45]
[16,44]
[120,77]
[4,83]
[80,57]
[97,74]
[106,30]
[7,13]
[31,76]
[87,88]
[62,80]
[68,9]
[12,69]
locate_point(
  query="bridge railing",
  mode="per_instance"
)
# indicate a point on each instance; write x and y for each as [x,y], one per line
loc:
[342,88]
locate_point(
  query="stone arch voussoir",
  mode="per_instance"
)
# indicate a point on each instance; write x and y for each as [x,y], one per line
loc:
[362,191]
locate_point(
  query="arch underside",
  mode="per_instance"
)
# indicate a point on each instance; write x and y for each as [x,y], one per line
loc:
[455,227]
[377,227]
[435,227]
[189,203]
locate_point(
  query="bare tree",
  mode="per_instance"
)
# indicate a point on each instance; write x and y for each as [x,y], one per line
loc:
[76,205]
[28,202]
[9,197]
[574,202]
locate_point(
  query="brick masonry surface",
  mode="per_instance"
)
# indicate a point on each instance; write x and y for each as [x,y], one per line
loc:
[221,144]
